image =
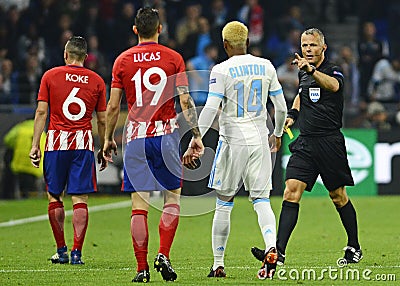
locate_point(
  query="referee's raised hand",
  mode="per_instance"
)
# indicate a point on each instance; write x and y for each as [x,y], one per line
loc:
[301,63]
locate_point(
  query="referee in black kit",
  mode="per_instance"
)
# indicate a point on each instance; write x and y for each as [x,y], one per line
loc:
[320,148]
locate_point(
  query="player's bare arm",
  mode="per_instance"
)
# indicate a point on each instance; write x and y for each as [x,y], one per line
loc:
[101,129]
[112,115]
[189,111]
[274,143]
[40,122]
[196,147]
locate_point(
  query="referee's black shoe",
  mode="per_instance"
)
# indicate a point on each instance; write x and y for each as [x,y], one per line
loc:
[352,255]
[259,254]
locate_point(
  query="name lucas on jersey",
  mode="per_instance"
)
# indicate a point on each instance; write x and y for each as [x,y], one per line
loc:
[77,78]
[146,57]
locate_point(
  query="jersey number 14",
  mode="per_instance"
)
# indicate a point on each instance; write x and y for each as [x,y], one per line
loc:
[253,99]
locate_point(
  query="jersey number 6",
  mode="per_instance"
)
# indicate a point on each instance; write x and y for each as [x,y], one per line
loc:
[72,98]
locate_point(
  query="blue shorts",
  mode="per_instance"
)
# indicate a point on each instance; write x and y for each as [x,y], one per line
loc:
[153,164]
[70,170]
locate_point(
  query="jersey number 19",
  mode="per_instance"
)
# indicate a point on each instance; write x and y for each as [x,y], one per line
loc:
[157,88]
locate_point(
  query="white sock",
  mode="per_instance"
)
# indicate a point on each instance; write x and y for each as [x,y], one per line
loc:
[266,221]
[220,231]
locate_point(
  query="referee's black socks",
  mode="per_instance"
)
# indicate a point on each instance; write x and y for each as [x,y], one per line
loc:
[287,222]
[349,220]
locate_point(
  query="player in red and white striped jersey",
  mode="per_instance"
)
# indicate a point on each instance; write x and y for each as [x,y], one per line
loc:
[69,95]
[151,75]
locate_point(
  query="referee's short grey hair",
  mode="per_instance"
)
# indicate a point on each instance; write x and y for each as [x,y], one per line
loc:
[317,31]
[236,33]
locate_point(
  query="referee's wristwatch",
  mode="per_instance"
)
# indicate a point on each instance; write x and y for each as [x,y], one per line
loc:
[313,69]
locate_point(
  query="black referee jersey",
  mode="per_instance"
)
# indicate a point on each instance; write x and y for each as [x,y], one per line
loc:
[321,110]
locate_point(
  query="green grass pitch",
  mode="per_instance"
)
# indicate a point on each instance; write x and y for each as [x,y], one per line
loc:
[314,248]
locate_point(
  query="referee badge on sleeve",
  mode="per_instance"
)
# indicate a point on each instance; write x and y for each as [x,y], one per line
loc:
[314,93]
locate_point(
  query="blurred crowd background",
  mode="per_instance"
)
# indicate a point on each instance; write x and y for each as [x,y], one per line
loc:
[362,37]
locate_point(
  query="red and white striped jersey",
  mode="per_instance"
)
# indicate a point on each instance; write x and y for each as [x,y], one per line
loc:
[73,94]
[150,129]
[58,140]
[149,74]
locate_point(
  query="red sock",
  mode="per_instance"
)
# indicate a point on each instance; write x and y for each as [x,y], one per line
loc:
[80,222]
[167,227]
[140,238]
[56,217]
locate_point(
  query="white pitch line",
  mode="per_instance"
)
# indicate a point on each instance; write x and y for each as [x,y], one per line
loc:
[67,213]
[84,269]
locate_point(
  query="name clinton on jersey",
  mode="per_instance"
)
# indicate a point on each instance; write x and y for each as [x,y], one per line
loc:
[146,57]
[246,70]
[58,140]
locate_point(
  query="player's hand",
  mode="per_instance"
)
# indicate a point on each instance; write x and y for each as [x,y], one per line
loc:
[35,156]
[275,143]
[195,151]
[101,160]
[109,147]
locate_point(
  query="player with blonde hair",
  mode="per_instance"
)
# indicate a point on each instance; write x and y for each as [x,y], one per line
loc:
[242,85]
[235,33]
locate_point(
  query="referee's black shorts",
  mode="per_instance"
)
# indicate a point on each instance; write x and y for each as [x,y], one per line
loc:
[325,156]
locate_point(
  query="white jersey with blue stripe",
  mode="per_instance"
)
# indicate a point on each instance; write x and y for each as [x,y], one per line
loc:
[243,83]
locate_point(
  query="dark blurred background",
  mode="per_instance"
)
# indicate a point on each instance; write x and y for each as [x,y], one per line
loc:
[362,37]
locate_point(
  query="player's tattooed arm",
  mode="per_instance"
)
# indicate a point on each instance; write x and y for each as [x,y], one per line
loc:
[189,110]
[196,148]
